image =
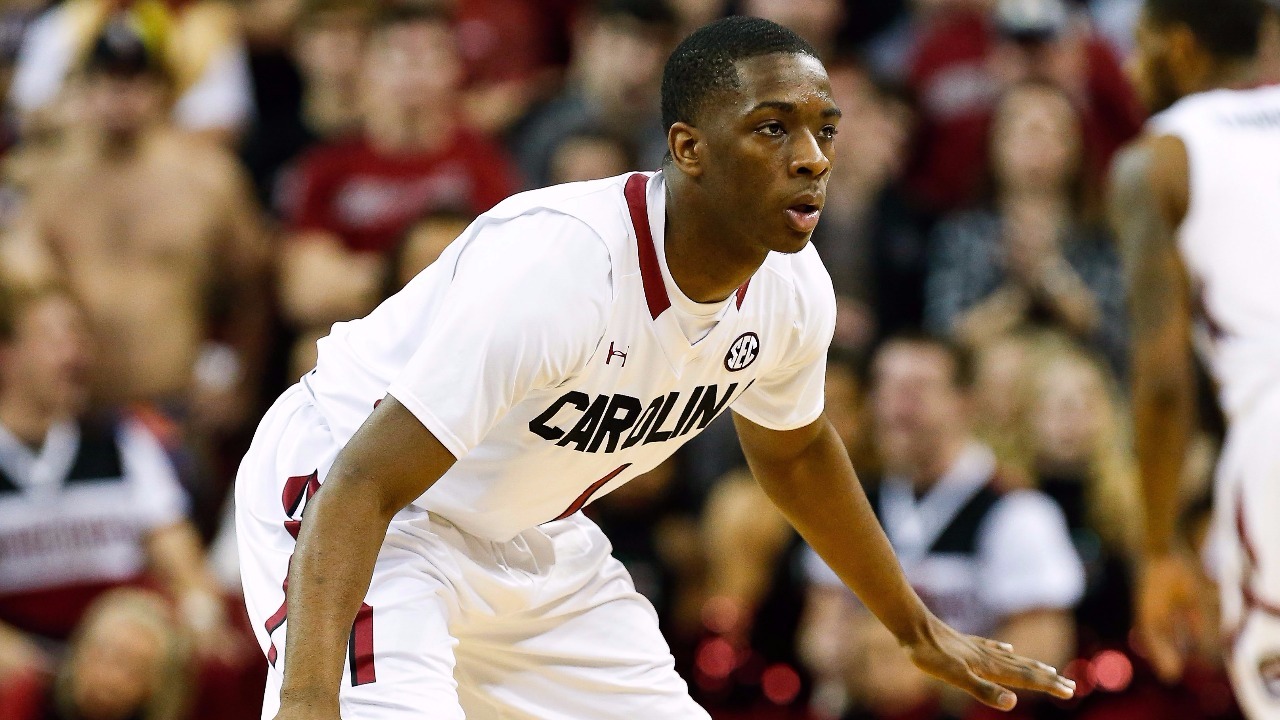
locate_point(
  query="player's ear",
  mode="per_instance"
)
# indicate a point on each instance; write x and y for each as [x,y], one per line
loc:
[684,142]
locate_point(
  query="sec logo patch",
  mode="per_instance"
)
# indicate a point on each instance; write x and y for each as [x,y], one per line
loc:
[742,352]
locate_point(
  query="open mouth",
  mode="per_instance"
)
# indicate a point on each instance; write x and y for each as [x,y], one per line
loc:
[803,217]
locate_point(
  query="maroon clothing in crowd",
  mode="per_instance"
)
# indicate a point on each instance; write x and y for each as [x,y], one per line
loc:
[955,91]
[369,198]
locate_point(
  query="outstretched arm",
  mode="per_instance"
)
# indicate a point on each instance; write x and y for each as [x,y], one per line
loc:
[1149,197]
[807,474]
[391,460]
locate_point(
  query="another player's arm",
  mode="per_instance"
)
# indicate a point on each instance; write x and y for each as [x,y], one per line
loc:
[808,476]
[1148,201]
[391,460]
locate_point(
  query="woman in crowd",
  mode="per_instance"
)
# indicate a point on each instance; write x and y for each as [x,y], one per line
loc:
[1033,256]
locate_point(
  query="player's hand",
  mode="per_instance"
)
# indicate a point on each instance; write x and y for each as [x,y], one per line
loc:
[1170,617]
[985,669]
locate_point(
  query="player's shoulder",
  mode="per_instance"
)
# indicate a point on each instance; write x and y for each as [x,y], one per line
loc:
[600,204]
[1223,107]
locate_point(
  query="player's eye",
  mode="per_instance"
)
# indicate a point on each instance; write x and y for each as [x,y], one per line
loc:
[773,128]
[828,132]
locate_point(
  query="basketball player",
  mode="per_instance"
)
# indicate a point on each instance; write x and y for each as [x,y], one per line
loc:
[570,339]
[1196,204]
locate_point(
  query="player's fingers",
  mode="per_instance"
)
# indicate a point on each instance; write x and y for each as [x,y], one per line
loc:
[1025,674]
[997,645]
[989,693]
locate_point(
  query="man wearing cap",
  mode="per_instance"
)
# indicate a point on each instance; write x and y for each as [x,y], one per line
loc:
[149,227]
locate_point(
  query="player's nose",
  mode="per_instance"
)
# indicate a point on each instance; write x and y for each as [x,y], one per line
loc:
[808,158]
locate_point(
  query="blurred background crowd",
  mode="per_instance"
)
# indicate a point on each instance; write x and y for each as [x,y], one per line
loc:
[194,190]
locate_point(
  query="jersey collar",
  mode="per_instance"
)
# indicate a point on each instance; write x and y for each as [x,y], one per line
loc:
[665,325]
[655,290]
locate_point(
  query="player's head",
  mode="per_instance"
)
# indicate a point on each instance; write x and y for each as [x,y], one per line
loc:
[1185,45]
[44,348]
[920,387]
[412,63]
[126,85]
[751,126]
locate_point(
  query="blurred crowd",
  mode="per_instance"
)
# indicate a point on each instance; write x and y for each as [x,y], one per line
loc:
[193,191]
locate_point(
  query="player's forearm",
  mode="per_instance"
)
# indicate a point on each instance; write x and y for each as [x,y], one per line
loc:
[1164,412]
[820,494]
[328,578]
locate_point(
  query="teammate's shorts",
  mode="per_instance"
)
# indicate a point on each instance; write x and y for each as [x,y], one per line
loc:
[1247,557]
[546,626]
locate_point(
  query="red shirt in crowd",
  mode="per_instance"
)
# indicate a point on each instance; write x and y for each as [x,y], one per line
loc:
[369,199]
[956,93]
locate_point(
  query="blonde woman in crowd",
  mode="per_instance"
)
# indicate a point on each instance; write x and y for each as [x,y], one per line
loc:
[1054,415]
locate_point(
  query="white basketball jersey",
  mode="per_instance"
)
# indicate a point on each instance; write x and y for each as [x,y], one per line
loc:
[1230,239]
[543,351]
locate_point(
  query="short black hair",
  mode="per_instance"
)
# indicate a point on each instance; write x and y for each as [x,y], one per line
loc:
[704,63]
[1229,29]
[963,367]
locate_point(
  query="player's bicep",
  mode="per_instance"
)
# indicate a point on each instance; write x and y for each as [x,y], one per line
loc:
[392,457]
[766,448]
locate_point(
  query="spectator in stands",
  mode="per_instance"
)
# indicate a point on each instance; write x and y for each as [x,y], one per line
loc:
[309,91]
[128,660]
[198,43]
[869,238]
[693,14]
[1032,256]
[619,48]
[987,558]
[590,155]
[349,201]
[817,21]
[512,52]
[1074,447]
[964,60]
[165,250]
[88,502]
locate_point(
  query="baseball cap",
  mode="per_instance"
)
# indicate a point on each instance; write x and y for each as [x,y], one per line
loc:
[1031,19]
[120,50]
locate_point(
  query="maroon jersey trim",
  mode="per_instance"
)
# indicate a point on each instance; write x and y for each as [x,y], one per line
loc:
[655,290]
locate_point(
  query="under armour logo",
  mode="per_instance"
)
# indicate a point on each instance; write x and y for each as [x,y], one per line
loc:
[742,352]
[616,353]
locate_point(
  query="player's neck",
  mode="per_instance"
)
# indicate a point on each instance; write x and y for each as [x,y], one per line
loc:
[705,264]
[26,420]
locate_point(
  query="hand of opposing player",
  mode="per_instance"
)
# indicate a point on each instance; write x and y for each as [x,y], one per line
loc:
[984,668]
[1170,621]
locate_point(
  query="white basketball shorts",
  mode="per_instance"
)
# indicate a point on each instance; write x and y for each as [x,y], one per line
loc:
[1247,535]
[546,626]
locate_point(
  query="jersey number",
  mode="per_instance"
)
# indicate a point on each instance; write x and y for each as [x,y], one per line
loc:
[297,491]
